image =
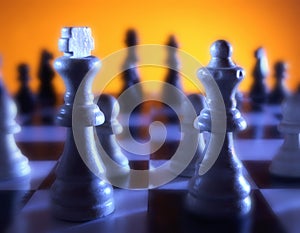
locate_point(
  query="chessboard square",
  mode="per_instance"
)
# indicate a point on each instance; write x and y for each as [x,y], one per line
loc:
[39,171]
[167,213]
[41,134]
[129,215]
[258,149]
[259,172]
[286,204]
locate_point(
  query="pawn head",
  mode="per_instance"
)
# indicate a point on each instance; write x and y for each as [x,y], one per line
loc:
[259,52]
[280,67]
[131,38]
[23,70]
[109,106]
[221,52]
[172,42]
[221,49]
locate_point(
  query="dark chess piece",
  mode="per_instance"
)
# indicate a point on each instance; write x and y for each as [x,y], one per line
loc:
[279,92]
[219,189]
[25,99]
[106,135]
[46,94]
[80,191]
[173,77]
[258,92]
[130,76]
[172,98]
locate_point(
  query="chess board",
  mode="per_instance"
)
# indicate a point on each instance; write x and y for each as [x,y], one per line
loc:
[276,202]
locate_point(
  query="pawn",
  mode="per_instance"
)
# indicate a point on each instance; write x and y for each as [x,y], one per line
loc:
[218,188]
[287,160]
[25,99]
[258,91]
[13,164]
[106,134]
[192,137]
[279,92]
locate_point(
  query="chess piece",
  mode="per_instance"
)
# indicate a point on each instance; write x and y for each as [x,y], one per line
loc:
[130,75]
[258,91]
[11,202]
[279,92]
[106,134]
[25,98]
[222,191]
[46,93]
[286,161]
[13,164]
[173,99]
[77,193]
[173,63]
[191,134]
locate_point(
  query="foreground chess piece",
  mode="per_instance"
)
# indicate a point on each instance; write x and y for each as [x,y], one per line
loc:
[221,192]
[25,98]
[106,134]
[279,92]
[258,91]
[13,164]
[46,94]
[191,134]
[77,193]
[287,160]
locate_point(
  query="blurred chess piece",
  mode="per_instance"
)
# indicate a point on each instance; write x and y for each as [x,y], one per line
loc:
[279,92]
[191,135]
[13,164]
[46,93]
[172,98]
[219,189]
[258,91]
[80,191]
[287,160]
[130,76]
[116,163]
[25,98]
[11,202]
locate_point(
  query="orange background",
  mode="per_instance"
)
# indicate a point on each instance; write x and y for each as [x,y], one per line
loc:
[28,26]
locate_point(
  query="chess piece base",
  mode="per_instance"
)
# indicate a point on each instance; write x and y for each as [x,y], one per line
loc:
[77,202]
[222,191]
[286,164]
